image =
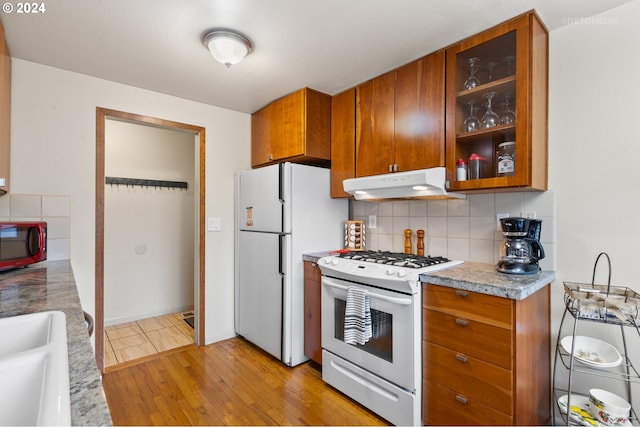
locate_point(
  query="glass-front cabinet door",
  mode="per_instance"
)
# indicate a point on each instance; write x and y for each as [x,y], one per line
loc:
[496,121]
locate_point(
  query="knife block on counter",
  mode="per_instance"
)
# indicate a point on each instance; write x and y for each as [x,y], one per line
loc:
[354,238]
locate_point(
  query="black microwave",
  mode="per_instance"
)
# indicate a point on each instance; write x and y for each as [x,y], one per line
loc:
[22,243]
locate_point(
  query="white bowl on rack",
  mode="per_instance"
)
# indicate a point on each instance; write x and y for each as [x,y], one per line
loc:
[608,407]
[592,351]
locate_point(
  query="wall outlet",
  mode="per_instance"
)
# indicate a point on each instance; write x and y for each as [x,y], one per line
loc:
[372,221]
[499,217]
[530,215]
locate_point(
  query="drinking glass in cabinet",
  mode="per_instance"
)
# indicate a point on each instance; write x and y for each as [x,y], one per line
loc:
[471,123]
[490,119]
[510,61]
[508,115]
[472,81]
[491,65]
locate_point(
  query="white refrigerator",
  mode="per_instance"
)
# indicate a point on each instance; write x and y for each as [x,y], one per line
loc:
[282,212]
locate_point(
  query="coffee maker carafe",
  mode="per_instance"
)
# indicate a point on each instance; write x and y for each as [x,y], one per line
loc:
[521,249]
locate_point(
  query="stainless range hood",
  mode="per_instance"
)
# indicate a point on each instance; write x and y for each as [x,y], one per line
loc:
[418,184]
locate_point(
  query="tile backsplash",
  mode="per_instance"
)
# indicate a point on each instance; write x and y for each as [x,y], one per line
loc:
[458,229]
[54,209]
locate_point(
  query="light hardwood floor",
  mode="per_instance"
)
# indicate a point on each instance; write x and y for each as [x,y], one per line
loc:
[231,382]
[133,340]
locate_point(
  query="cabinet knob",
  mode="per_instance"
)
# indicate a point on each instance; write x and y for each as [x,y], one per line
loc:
[270,156]
[462,322]
[461,357]
[390,168]
[460,398]
[461,293]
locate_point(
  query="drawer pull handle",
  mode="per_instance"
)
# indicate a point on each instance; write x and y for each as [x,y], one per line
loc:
[461,293]
[460,398]
[461,358]
[462,322]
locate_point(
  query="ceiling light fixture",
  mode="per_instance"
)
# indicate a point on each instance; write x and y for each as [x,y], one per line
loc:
[227,46]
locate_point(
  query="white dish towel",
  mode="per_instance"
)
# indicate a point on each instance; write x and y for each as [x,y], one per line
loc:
[357,317]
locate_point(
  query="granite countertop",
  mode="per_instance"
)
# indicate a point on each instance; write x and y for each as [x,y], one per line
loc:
[483,278]
[314,257]
[48,286]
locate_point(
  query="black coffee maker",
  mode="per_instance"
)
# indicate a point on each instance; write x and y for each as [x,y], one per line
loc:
[521,249]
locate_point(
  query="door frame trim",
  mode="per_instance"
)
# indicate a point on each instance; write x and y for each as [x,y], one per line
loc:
[101,116]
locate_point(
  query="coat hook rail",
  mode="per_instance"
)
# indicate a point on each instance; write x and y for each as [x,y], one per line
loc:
[145,182]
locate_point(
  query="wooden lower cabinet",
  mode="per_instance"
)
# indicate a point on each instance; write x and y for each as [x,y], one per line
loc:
[447,407]
[486,359]
[312,319]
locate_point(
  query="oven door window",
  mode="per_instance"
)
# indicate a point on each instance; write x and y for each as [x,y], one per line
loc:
[381,342]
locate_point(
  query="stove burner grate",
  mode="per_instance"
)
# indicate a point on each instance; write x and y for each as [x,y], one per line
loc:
[394,258]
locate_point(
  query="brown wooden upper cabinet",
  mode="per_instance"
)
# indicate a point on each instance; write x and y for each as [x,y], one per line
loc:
[500,73]
[392,123]
[400,119]
[5,112]
[294,128]
[343,154]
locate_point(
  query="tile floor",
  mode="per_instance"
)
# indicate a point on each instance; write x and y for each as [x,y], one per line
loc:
[133,340]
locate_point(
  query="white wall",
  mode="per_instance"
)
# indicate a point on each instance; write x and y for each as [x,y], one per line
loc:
[53,152]
[150,236]
[594,151]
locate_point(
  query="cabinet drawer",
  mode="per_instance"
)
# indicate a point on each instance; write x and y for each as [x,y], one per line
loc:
[476,339]
[446,407]
[472,305]
[312,271]
[481,381]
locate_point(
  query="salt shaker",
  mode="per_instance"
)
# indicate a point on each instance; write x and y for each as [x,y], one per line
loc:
[461,170]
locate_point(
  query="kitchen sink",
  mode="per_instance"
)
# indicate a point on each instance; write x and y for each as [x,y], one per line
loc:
[34,370]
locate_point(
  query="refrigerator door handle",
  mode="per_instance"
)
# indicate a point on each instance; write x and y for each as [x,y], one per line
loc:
[281,183]
[280,258]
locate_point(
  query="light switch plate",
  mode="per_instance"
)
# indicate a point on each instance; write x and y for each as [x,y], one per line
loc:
[372,221]
[213,224]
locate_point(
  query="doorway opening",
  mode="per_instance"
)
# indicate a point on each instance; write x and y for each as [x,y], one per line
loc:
[102,115]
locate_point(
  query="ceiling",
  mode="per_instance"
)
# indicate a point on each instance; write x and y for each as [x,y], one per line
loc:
[328,45]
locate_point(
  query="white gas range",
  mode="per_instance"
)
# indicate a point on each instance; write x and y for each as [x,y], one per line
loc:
[382,372]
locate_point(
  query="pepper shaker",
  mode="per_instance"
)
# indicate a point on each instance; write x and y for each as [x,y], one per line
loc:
[420,245]
[407,242]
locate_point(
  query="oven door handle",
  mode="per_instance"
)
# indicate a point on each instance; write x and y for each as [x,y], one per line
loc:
[393,300]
